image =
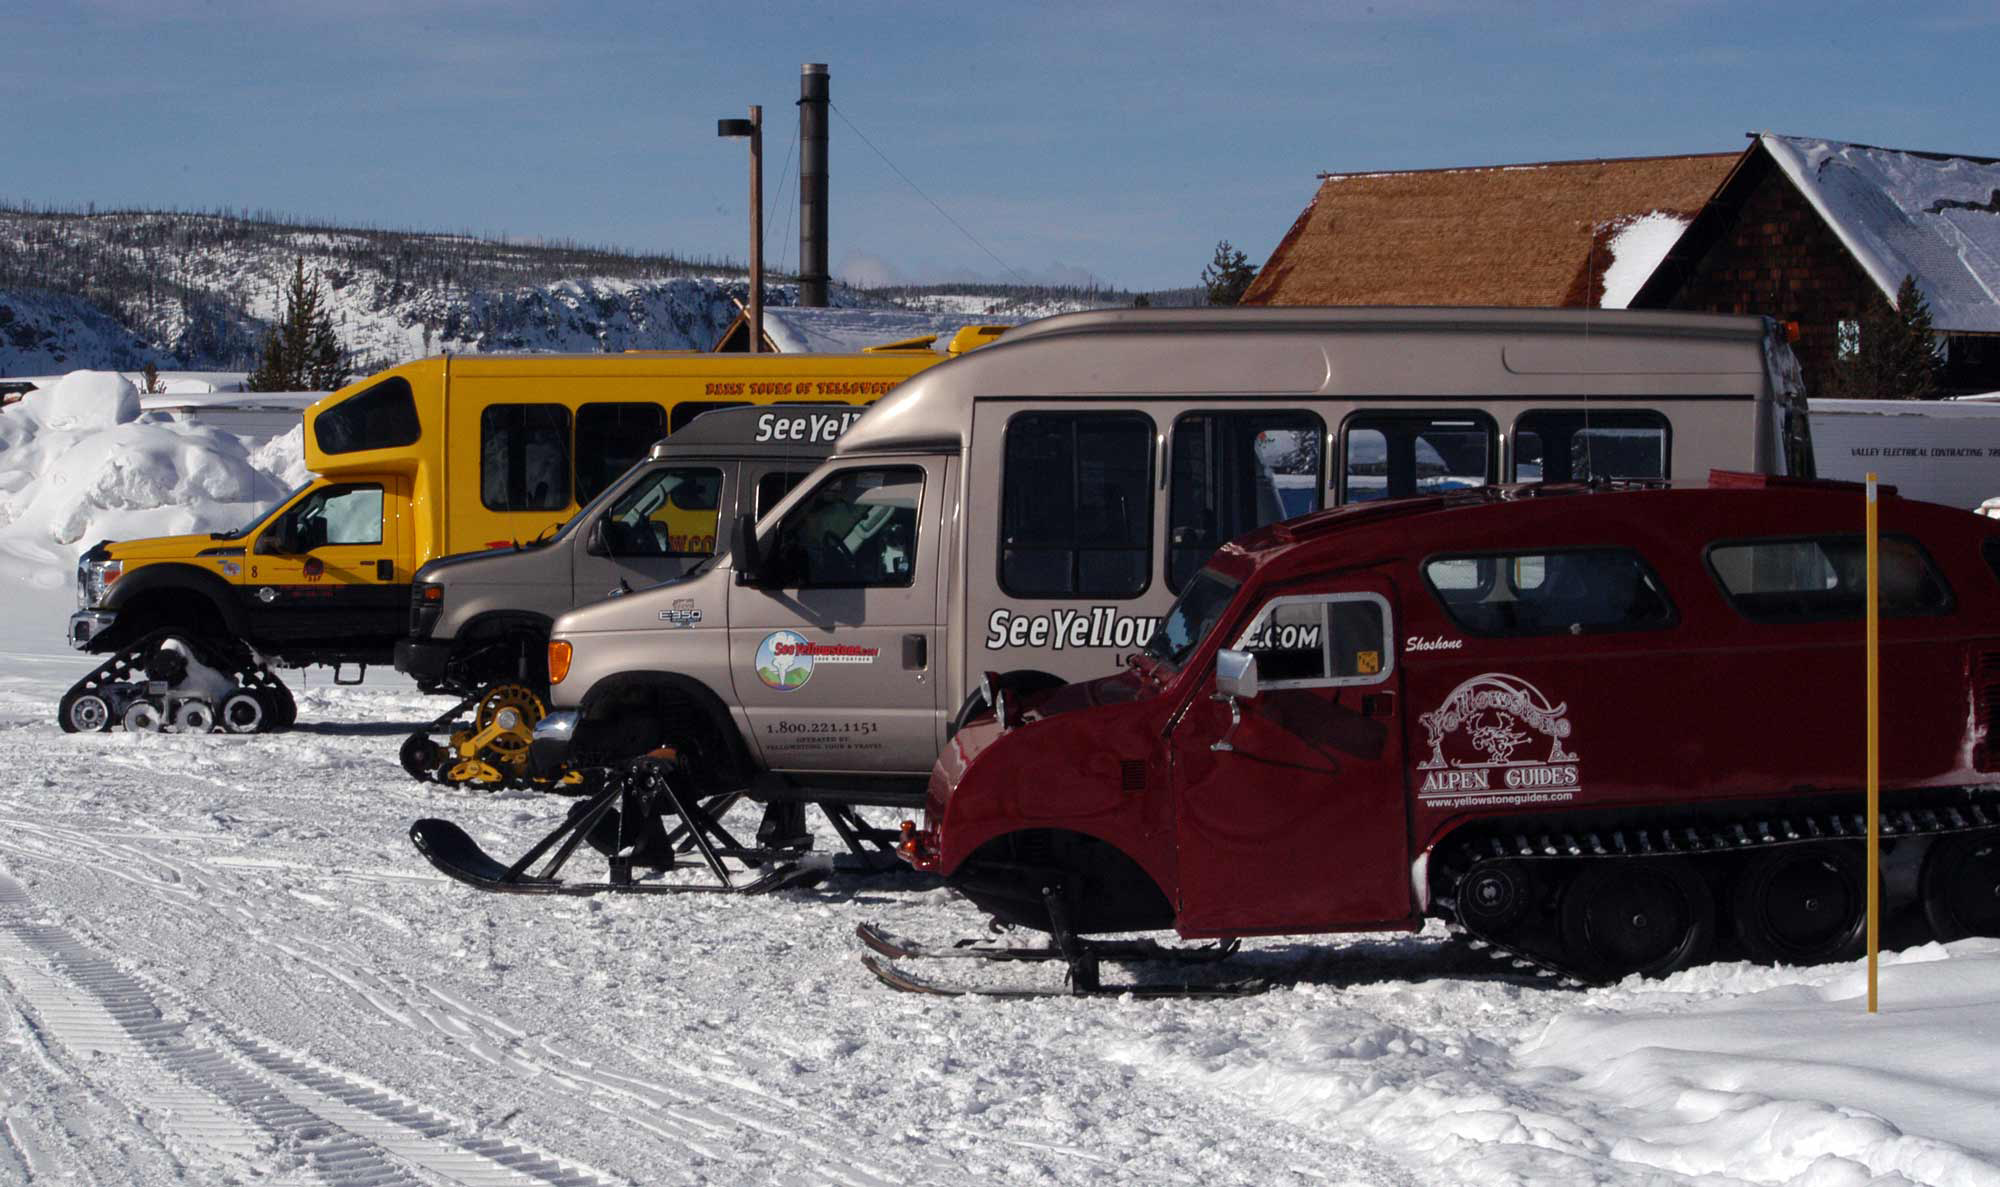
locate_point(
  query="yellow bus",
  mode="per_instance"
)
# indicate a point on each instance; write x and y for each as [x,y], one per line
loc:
[443,455]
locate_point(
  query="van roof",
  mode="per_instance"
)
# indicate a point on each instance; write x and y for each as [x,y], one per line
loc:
[736,431]
[1264,352]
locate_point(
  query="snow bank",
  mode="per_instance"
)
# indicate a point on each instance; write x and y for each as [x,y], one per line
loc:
[1730,1073]
[79,464]
[83,400]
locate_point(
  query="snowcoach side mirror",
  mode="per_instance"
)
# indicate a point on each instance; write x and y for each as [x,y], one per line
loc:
[1235,675]
[594,543]
[1235,682]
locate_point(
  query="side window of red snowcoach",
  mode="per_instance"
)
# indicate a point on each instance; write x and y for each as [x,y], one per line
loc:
[1816,578]
[1572,591]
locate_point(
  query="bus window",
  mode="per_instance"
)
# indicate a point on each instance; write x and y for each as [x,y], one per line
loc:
[1388,455]
[1076,497]
[1234,471]
[775,486]
[610,439]
[383,417]
[1575,445]
[524,457]
[687,410]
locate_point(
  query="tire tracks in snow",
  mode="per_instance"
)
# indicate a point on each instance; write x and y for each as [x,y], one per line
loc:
[231,1096]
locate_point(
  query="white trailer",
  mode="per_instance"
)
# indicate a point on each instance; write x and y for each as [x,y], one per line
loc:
[1941,451]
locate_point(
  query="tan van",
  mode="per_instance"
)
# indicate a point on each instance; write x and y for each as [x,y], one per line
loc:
[1026,514]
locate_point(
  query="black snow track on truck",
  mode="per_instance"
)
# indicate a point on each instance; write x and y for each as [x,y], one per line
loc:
[173,679]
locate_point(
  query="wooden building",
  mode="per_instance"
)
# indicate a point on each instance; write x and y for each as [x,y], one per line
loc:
[1813,231]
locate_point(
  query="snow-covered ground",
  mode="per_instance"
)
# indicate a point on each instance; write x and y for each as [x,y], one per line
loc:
[221,961]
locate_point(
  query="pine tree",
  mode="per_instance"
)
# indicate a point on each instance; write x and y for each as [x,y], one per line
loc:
[301,353]
[1227,275]
[1895,356]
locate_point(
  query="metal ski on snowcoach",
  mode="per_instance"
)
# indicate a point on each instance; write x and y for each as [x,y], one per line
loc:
[1599,729]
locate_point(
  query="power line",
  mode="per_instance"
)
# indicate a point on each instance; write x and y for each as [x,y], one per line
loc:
[926,197]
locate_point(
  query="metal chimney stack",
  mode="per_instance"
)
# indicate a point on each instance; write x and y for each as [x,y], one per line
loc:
[812,183]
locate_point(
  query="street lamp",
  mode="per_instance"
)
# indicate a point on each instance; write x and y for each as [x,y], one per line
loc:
[754,129]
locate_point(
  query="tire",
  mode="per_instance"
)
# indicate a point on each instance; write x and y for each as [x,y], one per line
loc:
[281,712]
[84,713]
[1024,680]
[1649,917]
[1801,904]
[1960,885]
[144,717]
[242,713]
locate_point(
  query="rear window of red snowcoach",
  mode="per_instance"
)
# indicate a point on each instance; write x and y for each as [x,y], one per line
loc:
[1816,578]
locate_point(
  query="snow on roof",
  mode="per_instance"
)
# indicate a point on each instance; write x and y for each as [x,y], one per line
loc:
[1636,249]
[807,330]
[1925,215]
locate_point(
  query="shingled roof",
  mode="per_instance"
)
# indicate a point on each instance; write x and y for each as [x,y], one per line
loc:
[1521,235]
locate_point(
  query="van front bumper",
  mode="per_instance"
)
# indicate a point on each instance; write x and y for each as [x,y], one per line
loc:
[86,625]
[422,660]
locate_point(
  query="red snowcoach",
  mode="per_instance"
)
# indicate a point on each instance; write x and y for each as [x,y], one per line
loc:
[1601,729]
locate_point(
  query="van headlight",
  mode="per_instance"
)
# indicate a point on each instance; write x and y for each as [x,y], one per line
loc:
[93,578]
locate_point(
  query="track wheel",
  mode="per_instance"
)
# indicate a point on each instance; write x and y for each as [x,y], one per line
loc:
[144,717]
[421,757]
[504,725]
[1495,895]
[242,713]
[85,713]
[1801,904]
[194,717]
[1960,885]
[1648,917]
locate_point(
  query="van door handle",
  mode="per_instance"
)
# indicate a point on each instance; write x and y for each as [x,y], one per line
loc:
[385,570]
[916,652]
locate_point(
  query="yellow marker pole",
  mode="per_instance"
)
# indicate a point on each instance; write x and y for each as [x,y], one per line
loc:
[1874,751]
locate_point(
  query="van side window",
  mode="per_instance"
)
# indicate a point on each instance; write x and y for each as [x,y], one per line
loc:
[1234,471]
[672,511]
[1318,641]
[1823,577]
[1573,445]
[775,486]
[687,410]
[1076,517]
[610,439]
[1547,593]
[524,457]
[383,417]
[857,529]
[1388,455]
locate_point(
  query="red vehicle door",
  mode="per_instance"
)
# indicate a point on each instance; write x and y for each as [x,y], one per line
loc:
[1294,819]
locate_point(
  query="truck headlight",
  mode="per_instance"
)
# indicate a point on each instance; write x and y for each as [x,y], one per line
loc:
[93,578]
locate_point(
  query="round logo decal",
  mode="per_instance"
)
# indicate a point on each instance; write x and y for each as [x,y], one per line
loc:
[784,660]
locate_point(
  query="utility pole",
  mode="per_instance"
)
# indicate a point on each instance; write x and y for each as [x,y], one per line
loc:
[754,129]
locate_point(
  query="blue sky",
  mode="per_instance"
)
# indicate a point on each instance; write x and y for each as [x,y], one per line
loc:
[1117,142]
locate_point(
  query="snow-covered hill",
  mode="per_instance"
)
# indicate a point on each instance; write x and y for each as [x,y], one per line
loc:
[197,291]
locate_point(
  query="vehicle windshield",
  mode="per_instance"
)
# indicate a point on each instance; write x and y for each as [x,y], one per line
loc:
[1201,604]
[263,515]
